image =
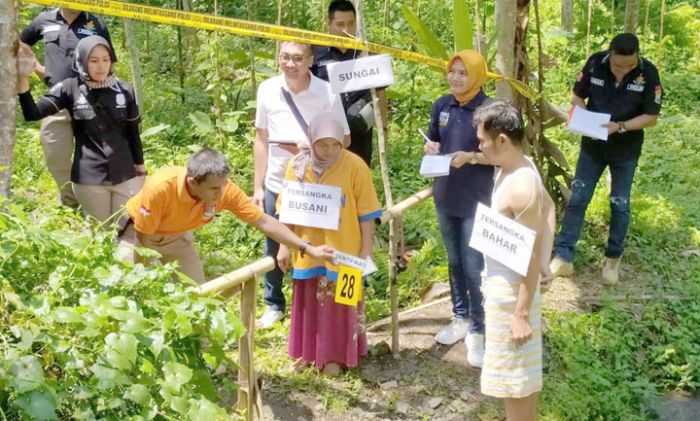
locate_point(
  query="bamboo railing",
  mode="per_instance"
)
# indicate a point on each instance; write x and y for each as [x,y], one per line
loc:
[243,281]
[389,215]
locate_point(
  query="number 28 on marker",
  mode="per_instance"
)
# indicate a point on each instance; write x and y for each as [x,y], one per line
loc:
[348,290]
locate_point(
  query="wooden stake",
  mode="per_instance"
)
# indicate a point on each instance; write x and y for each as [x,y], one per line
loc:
[246,371]
[384,167]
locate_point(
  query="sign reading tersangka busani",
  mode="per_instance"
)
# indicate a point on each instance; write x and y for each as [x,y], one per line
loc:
[310,205]
[502,239]
[363,73]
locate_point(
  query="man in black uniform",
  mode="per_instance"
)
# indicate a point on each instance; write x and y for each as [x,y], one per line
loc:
[357,104]
[621,83]
[60,30]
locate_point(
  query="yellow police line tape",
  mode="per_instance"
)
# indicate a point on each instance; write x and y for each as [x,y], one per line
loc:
[251,29]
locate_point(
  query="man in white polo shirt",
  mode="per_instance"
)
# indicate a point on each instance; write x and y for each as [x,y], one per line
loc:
[285,105]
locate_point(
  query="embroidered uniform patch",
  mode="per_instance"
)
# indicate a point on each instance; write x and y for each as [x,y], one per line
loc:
[597,82]
[144,211]
[444,118]
[657,94]
[121,101]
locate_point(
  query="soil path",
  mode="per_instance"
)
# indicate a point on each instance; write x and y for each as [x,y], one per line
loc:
[428,382]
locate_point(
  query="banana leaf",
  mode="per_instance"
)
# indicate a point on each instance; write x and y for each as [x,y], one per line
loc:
[462,26]
[427,38]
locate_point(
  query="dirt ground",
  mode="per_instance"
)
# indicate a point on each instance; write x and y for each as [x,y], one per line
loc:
[428,381]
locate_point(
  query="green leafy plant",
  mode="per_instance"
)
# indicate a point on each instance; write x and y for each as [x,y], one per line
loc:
[84,336]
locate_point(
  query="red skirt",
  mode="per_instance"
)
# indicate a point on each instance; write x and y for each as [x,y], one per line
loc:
[322,331]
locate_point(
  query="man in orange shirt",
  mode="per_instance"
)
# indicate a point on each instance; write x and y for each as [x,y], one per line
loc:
[176,200]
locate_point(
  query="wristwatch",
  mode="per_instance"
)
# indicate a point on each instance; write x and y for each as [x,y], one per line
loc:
[302,247]
[622,127]
[473,161]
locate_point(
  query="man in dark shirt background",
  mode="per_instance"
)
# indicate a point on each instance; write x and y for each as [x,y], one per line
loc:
[341,22]
[621,83]
[60,30]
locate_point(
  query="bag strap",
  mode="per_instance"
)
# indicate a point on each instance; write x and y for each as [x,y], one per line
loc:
[302,123]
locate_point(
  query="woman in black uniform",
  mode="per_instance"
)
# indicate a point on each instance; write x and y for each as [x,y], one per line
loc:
[108,158]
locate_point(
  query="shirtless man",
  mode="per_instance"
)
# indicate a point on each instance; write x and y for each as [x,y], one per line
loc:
[512,367]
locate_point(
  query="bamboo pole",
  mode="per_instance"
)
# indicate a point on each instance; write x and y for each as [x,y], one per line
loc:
[246,373]
[251,53]
[661,32]
[540,86]
[612,17]
[646,18]
[588,28]
[238,276]
[384,168]
[217,91]
[130,35]
[244,280]
[397,210]
[277,43]
[379,323]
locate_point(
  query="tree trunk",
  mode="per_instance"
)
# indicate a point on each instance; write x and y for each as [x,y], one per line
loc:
[539,115]
[8,91]
[632,16]
[567,15]
[129,34]
[506,11]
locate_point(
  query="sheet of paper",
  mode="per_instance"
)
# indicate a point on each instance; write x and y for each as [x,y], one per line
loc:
[367,266]
[502,239]
[370,268]
[345,259]
[435,165]
[588,123]
[311,205]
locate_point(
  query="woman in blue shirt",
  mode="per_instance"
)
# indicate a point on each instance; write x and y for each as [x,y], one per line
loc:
[456,196]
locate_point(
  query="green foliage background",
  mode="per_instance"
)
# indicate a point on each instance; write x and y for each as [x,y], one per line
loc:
[86,337]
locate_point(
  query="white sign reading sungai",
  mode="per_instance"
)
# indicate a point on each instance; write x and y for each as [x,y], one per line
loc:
[310,205]
[502,239]
[363,73]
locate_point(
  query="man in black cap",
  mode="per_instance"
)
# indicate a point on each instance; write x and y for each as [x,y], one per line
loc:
[60,30]
[625,85]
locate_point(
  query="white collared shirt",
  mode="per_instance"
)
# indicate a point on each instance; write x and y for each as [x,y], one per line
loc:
[273,113]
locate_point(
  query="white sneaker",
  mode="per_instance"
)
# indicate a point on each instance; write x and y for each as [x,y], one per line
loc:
[611,270]
[454,332]
[269,318]
[560,267]
[475,349]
